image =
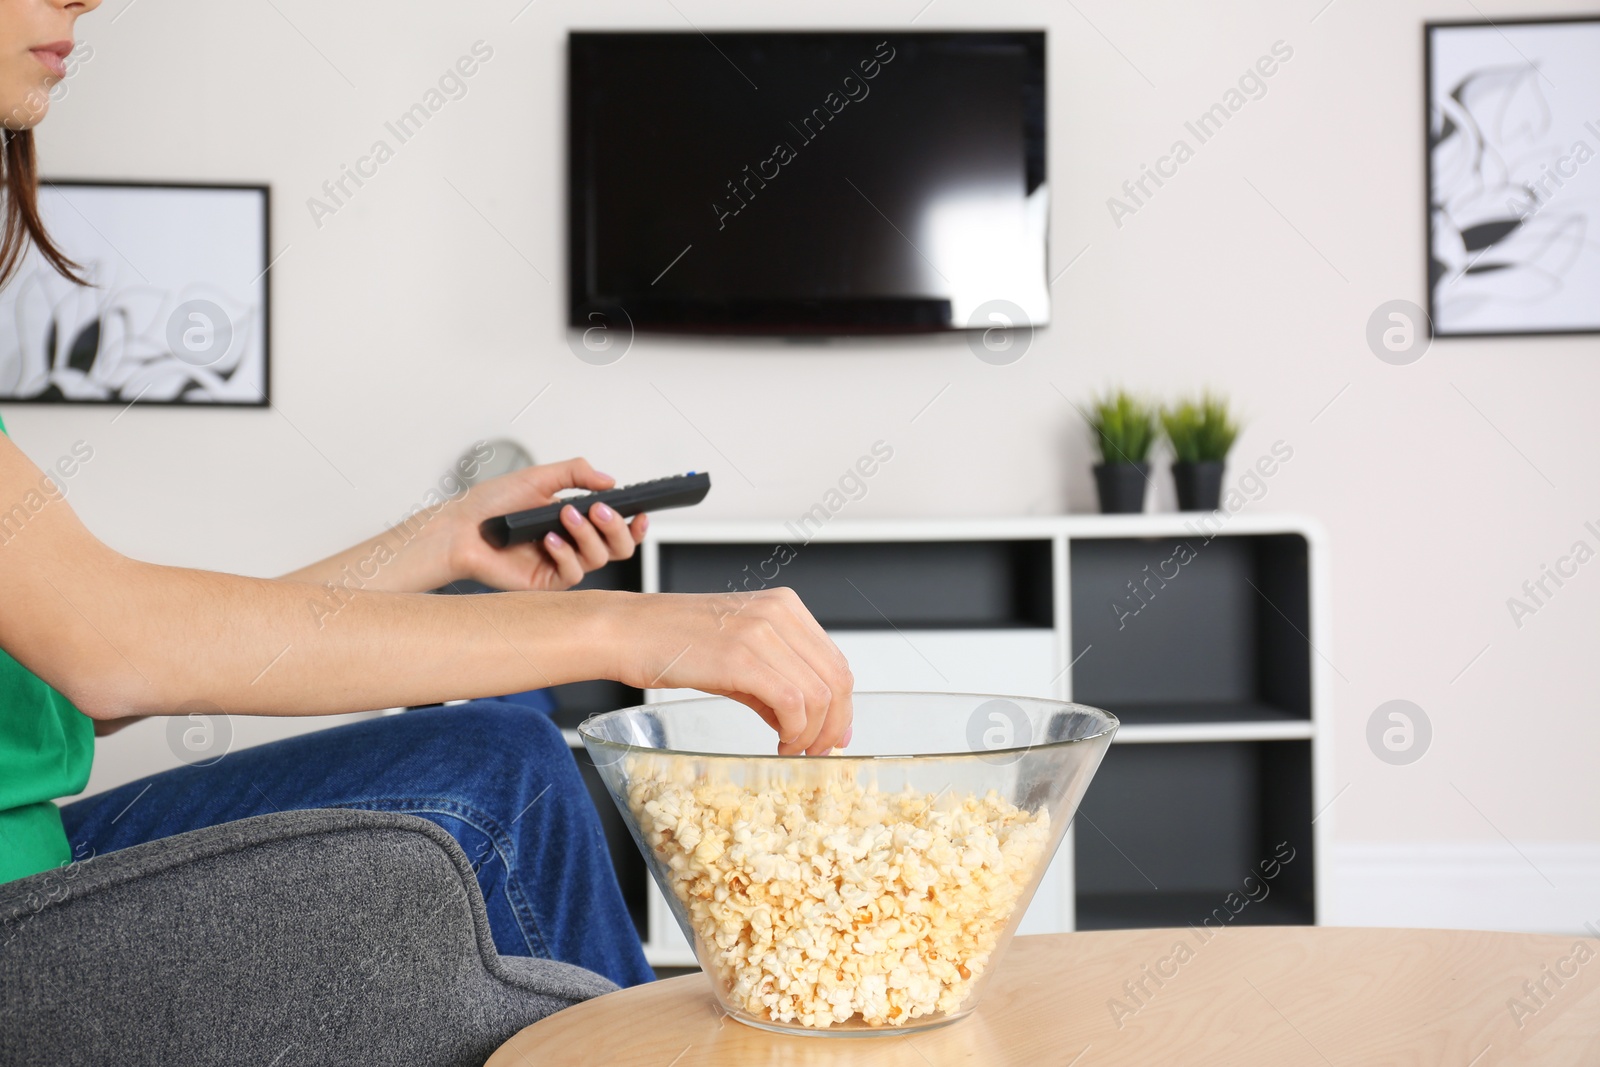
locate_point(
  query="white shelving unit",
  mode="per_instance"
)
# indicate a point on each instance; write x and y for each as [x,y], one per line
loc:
[1280,734]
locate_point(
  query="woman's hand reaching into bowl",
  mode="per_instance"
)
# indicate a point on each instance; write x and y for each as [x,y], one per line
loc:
[762,649]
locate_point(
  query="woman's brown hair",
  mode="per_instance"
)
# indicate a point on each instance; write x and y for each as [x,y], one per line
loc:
[21,209]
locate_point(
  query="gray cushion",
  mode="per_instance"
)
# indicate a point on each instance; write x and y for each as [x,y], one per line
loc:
[302,937]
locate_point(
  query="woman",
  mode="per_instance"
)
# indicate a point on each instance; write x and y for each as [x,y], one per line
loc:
[93,640]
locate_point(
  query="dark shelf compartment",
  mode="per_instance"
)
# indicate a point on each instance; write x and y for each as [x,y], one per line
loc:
[868,585]
[1209,909]
[1194,712]
[1182,622]
[1167,831]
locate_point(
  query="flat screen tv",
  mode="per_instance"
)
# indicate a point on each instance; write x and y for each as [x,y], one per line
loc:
[832,183]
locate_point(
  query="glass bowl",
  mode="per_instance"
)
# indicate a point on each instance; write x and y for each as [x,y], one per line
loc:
[871,891]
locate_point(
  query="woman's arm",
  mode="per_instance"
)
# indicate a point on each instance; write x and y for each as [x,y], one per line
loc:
[441,544]
[122,638]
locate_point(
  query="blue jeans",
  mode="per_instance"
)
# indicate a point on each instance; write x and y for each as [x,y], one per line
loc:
[497,776]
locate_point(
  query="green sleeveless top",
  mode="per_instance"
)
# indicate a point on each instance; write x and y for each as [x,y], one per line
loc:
[46,746]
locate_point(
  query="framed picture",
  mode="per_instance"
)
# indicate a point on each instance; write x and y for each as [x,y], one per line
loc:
[1513,165]
[177,309]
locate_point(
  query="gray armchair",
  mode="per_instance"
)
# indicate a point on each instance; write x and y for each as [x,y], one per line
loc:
[298,938]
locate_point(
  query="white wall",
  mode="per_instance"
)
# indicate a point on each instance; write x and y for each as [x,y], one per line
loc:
[405,328]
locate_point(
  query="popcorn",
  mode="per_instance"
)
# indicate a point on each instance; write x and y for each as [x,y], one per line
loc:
[818,901]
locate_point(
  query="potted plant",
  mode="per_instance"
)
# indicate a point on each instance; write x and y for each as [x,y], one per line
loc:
[1125,429]
[1201,432]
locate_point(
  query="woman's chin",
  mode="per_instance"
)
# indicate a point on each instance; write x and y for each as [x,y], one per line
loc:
[18,122]
[31,109]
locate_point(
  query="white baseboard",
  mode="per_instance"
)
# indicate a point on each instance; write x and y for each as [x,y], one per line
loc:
[1548,887]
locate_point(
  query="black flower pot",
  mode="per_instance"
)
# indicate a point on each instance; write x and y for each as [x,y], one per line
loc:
[1199,485]
[1121,487]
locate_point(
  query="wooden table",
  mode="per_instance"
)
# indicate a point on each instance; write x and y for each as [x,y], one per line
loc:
[1250,995]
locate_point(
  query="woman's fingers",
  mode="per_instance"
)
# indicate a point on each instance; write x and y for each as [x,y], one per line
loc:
[807,698]
[569,569]
[618,535]
[767,715]
[575,473]
[835,731]
[758,685]
[814,713]
[830,664]
[595,541]
[592,549]
[600,538]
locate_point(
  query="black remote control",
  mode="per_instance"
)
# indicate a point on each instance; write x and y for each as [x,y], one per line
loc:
[678,491]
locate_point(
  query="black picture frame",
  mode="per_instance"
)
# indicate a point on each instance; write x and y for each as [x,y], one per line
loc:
[1431,264]
[260,395]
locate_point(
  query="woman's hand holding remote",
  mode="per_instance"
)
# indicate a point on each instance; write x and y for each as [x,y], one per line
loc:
[598,537]
[442,544]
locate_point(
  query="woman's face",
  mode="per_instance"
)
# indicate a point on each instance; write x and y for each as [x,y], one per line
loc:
[35,37]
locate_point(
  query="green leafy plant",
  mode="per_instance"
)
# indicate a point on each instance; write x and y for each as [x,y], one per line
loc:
[1124,427]
[1200,429]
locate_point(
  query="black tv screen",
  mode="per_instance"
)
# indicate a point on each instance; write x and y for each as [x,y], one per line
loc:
[808,182]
